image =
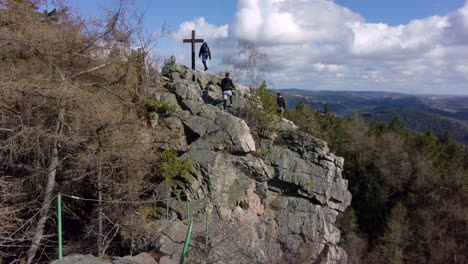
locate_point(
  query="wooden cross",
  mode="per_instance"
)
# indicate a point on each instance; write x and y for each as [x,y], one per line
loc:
[193,40]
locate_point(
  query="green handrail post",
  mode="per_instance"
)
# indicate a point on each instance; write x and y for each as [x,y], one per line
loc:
[210,187]
[188,210]
[186,244]
[207,221]
[59,220]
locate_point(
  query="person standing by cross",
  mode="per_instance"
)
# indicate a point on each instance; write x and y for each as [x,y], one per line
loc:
[204,53]
[193,40]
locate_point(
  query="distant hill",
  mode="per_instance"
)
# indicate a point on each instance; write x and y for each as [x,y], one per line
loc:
[424,121]
[452,106]
[346,103]
[439,113]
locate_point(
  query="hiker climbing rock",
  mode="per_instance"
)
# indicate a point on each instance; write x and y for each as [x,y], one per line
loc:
[281,104]
[204,53]
[227,86]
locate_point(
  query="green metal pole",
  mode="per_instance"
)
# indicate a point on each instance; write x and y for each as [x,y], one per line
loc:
[186,244]
[188,209]
[207,221]
[210,188]
[59,216]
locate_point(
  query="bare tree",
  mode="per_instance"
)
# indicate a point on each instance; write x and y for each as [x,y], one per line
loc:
[67,76]
[250,62]
[147,43]
[63,80]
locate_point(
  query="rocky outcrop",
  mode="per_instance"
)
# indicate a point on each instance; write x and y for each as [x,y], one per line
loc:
[267,200]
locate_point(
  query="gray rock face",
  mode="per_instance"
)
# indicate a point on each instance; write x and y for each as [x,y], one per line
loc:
[270,201]
[217,130]
[311,169]
[142,258]
[81,259]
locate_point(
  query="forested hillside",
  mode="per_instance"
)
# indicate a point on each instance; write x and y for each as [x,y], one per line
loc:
[421,113]
[422,121]
[409,190]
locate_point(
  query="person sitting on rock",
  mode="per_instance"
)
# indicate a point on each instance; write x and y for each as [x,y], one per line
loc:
[227,86]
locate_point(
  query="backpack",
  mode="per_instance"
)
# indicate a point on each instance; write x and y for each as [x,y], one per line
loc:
[226,85]
[205,50]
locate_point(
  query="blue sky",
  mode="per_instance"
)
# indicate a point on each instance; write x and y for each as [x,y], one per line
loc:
[412,46]
[395,12]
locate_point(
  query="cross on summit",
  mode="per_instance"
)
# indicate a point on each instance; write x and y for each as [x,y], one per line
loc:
[193,40]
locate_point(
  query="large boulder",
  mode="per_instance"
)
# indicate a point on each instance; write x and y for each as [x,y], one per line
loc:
[220,131]
[310,170]
[142,258]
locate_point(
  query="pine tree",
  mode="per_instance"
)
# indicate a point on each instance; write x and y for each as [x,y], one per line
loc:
[303,117]
[396,237]
[265,112]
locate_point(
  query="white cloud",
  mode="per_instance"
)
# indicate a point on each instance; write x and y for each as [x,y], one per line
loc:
[320,44]
[332,68]
[266,21]
[203,30]
[404,40]
[462,69]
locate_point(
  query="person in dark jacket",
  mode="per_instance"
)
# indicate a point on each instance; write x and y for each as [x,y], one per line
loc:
[204,53]
[227,86]
[281,104]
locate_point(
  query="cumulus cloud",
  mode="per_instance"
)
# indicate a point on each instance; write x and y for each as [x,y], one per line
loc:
[318,44]
[203,30]
[266,21]
[413,39]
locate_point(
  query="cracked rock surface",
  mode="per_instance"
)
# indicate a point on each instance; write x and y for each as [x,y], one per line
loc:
[267,201]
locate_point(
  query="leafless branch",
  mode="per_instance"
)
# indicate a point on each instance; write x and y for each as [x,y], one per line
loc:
[91,70]
[105,88]
[83,56]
